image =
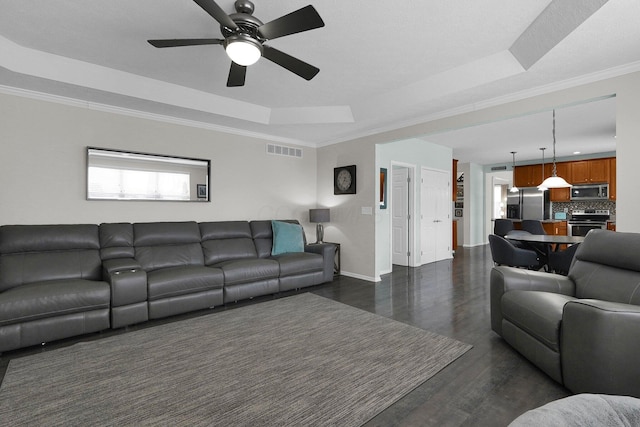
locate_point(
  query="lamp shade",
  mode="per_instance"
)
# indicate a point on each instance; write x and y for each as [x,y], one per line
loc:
[319,215]
[555,182]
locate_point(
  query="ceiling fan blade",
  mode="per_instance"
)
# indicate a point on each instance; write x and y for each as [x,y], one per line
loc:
[301,20]
[217,13]
[183,42]
[301,68]
[237,74]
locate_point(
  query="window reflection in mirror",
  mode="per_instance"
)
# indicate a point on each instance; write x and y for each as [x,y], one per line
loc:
[121,175]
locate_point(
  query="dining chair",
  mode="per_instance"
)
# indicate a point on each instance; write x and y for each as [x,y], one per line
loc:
[502,226]
[533,226]
[560,261]
[504,252]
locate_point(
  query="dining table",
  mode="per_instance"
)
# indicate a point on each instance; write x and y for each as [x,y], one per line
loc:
[548,239]
[549,242]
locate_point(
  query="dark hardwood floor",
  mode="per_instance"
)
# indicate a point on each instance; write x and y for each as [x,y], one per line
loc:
[488,386]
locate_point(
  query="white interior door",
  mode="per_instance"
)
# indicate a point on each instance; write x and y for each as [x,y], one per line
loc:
[435,219]
[400,215]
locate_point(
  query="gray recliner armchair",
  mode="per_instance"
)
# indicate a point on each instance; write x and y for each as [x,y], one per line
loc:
[583,329]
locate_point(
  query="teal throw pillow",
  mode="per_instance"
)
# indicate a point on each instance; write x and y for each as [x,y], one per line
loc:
[287,238]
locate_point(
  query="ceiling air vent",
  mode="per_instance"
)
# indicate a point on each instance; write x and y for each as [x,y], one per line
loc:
[498,168]
[281,150]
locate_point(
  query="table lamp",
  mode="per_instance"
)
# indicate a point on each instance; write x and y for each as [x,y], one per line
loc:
[319,216]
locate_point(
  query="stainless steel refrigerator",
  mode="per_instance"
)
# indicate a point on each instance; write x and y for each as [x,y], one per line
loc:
[528,203]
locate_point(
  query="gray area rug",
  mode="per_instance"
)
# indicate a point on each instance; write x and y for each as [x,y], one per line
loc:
[304,360]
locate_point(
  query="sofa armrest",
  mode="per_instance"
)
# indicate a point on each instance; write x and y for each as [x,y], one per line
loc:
[504,279]
[118,265]
[328,252]
[127,279]
[600,344]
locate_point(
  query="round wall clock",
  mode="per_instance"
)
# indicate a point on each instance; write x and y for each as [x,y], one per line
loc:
[344,180]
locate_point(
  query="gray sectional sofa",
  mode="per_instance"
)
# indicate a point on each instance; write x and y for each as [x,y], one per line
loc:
[583,329]
[59,281]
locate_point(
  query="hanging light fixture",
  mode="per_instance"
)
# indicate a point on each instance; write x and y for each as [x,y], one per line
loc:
[514,189]
[554,181]
[542,187]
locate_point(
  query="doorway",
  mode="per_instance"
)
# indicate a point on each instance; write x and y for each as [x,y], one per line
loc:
[435,216]
[402,221]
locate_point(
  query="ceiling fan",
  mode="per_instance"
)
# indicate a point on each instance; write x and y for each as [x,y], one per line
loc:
[245,35]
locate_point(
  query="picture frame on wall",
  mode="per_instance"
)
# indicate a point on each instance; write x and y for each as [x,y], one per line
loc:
[383,188]
[201,190]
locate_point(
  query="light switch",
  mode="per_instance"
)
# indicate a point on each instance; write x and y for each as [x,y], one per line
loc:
[367,210]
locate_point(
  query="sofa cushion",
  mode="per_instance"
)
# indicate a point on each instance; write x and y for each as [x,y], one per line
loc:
[174,281]
[292,264]
[537,313]
[167,244]
[248,270]
[287,238]
[116,240]
[35,253]
[52,298]
[226,240]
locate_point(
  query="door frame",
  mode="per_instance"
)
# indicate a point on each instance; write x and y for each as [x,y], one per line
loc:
[411,209]
[448,205]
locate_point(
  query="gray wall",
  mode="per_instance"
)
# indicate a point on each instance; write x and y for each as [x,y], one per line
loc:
[43,168]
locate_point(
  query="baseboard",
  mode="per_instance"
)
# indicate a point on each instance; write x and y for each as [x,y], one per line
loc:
[359,276]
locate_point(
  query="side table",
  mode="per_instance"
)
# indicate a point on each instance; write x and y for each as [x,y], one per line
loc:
[336,259]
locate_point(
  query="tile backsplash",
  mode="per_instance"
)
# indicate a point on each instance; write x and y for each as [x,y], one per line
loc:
[583,204]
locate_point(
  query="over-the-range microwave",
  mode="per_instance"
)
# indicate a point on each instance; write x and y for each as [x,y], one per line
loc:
[590,192]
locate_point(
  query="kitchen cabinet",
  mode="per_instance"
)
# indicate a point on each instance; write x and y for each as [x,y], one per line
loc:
[527,176]
[612,179]
[611,226]
[562,170]
[590,171]
[556,228]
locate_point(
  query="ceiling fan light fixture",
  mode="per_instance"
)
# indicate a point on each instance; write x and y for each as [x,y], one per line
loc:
[242,49]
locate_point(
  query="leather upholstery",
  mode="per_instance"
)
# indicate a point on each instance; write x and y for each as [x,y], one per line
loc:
[50,283]
[600,323]
[224,241]
[40,300]
[58,281]
[125,275]
[32,253]
[116,241]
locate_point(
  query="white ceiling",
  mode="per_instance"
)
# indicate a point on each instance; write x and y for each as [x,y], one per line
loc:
[383,65]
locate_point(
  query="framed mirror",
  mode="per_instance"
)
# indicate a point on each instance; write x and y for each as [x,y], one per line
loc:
[127,175]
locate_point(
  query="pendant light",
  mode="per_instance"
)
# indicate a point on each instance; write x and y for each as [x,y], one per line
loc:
[542,187]
[554,181]
[514,189]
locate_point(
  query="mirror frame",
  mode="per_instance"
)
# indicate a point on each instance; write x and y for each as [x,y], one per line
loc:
[198,193]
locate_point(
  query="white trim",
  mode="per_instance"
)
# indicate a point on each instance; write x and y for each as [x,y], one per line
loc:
[494,102]
[360,276]
[73,102]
